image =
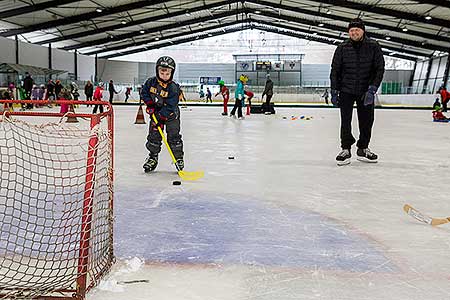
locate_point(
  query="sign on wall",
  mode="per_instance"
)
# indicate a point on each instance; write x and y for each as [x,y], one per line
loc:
[292,65]
[244,66]
[210,80]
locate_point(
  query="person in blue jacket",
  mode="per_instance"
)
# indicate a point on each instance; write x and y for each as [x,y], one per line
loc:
[239,95]
[161,95]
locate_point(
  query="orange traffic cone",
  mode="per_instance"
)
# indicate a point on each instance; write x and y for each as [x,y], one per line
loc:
[70,118]
[140,116]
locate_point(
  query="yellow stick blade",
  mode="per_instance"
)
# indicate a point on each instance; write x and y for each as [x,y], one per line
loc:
[190,176]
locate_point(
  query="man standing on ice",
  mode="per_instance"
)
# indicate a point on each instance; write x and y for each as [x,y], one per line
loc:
[356,73]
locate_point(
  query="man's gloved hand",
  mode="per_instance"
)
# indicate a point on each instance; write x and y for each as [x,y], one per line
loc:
[335,98]
[150,109]
[369,96]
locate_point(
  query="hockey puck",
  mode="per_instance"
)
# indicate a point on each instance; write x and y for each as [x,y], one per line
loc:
[284,118]
[176,182]
[230,157]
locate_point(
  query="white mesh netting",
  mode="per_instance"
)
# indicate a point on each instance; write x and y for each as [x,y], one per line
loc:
[43,187]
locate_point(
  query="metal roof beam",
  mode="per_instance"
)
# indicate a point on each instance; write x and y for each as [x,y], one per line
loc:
[32,8]
[136,22]
[137,33]
[244,27]
[442,3]
[306,35]
[165,38]
[181,41]
[293,34]
[337,17]
[341,39]
[386,11]
[344,29]
[81,17]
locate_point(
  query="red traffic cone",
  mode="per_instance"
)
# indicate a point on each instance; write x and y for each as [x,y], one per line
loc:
[140,116]
[70,118]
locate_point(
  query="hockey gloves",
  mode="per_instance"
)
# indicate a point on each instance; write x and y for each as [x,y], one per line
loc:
[161,121]
[369,96]
[335,98]
[150,109]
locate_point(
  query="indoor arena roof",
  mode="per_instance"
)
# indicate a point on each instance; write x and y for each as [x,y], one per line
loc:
[408,29]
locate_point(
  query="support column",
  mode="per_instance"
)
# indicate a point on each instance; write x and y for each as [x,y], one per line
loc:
[96,69]
[75,64]
[427,76]
[17,49]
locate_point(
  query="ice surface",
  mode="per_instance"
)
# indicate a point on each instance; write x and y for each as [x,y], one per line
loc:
[281,220]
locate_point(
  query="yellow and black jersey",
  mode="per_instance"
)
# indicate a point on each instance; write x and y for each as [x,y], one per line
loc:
[163,96]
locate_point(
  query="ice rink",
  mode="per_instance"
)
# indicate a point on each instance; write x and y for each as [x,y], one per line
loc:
[281,220]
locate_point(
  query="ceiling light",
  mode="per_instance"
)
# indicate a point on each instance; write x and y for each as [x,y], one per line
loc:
[387,38]
[142,31]
[392,53]
[405,29]
[315,33]
[209,34]
[428,18]
[157,39]
[188,14]
[99,10]
[320,25]
[257,12]
[123,22]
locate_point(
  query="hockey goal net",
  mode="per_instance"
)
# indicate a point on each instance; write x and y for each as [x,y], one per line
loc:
[56,201]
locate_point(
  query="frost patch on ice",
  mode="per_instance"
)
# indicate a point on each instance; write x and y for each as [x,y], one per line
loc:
[112,284]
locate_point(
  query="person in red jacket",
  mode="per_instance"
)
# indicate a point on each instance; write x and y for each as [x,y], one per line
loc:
[445,97]
[249,95]
[438,116]
[226,96]
[98,97]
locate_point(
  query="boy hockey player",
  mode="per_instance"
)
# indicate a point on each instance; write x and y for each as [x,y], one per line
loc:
[161,95]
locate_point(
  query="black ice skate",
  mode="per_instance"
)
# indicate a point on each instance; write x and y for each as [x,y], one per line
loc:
[224,114]
[343,158]
[366,155]
[150,163]
[179,164]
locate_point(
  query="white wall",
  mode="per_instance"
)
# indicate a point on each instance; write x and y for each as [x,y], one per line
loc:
[86,67]
[63,60]
[118,71]
[33,55]
[7,51]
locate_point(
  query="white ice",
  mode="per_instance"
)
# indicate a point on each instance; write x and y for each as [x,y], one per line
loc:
[281,220]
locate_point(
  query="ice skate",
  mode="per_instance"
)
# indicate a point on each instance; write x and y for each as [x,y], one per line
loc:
[150,163]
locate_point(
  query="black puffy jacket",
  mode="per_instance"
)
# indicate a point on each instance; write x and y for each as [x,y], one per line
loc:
[357,65]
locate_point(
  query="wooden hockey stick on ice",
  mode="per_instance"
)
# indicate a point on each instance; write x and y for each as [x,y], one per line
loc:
[422,218]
